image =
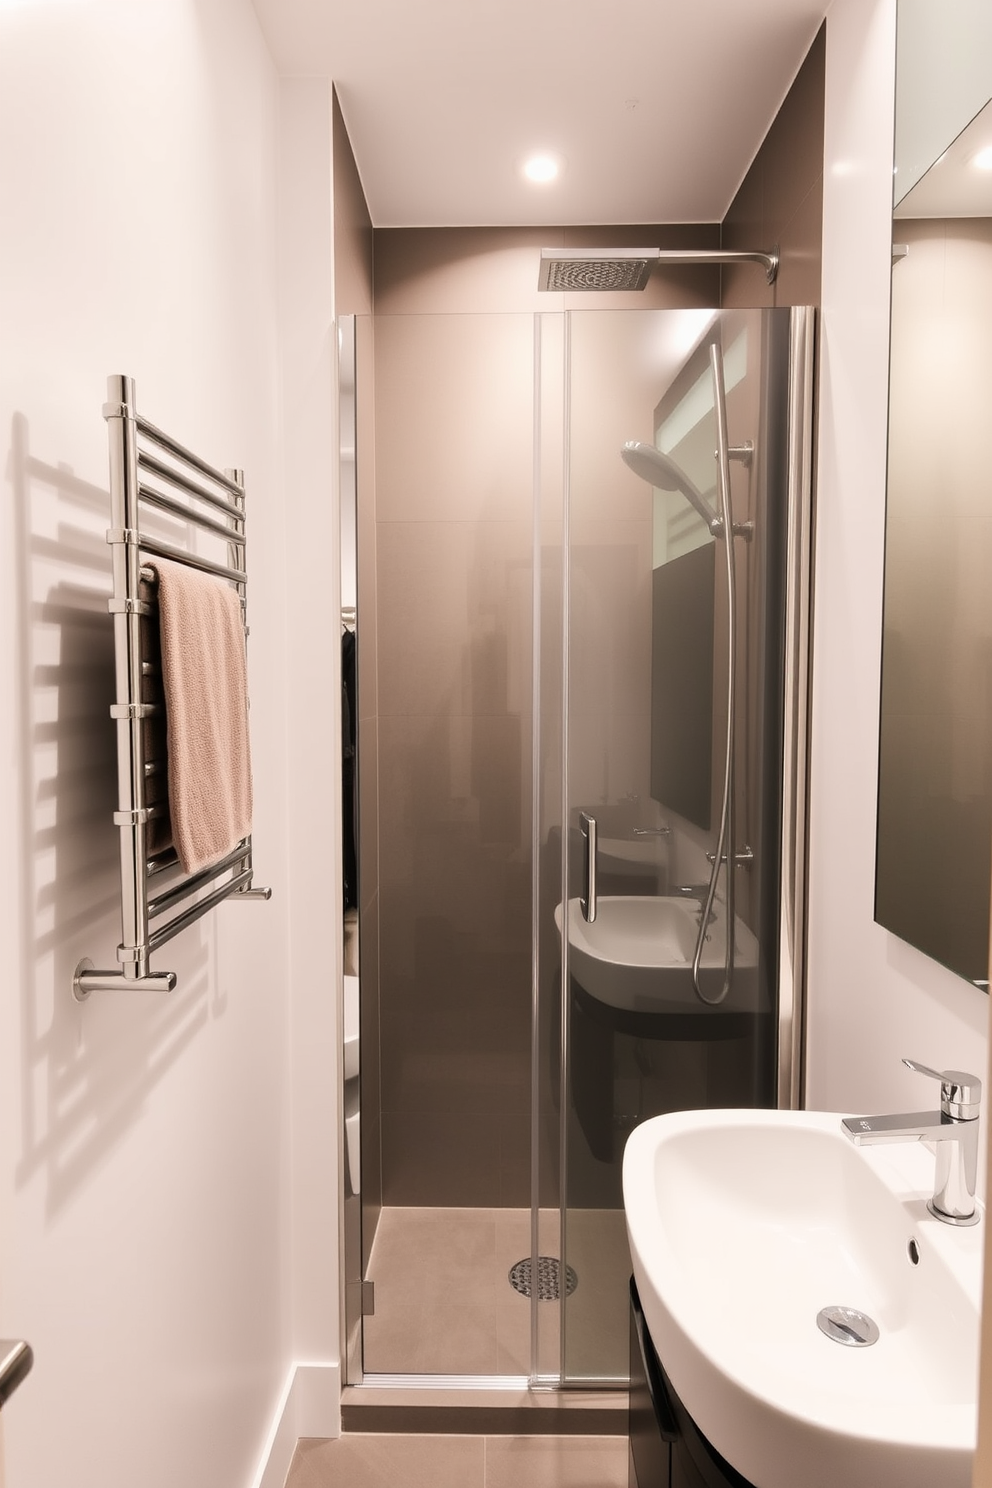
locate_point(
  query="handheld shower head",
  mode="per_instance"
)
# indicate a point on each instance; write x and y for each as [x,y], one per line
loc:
[660,470]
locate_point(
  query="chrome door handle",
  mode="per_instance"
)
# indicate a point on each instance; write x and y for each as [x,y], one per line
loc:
[590,835]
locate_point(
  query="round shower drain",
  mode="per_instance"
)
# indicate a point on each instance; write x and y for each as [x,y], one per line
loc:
[847,1325]
[548,1278]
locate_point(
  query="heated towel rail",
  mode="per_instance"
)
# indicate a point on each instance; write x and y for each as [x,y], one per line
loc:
[152,473]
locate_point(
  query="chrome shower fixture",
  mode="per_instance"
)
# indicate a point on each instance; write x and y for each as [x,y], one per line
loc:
[595,268]
[660,470]
[585,269]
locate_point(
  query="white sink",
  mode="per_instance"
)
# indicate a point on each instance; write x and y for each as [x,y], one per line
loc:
[637,954]
[742,1226]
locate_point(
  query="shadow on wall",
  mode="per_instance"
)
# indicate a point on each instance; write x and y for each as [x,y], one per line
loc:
[86,1071]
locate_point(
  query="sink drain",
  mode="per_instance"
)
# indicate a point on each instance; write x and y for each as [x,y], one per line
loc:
[847,1325]
[548,1278]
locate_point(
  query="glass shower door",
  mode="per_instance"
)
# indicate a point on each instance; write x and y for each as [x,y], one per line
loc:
[660,1011]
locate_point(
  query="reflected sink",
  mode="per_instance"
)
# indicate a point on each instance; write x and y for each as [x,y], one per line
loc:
[632,854]
[743,1225]
[637,954]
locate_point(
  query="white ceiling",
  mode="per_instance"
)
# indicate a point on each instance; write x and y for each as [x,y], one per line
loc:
[657,106]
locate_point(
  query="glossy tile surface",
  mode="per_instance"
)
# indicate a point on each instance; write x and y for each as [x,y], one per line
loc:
[381,1461]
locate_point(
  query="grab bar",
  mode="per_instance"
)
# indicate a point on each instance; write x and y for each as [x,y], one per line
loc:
[589,829]
[727,813]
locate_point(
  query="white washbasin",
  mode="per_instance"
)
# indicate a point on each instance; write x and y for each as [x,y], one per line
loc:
[742,1226]
[637,954]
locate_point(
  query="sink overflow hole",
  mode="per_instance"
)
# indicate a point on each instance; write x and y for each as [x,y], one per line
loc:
[548,1278]
[914,1252]
[847,1325]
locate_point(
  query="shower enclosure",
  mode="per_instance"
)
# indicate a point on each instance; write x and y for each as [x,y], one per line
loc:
[586,752]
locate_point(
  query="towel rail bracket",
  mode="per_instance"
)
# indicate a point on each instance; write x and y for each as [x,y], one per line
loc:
[129,607]
[87,978]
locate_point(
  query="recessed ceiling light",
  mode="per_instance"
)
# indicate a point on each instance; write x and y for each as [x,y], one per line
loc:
[983,160]
[541,168]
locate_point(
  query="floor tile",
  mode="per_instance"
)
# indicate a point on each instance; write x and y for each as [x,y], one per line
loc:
[435,1293]
[444,1303]
[385,1461]
[556,1462]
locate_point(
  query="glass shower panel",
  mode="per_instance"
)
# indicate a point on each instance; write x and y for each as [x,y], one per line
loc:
[549,513]
[453,605]
[647,658]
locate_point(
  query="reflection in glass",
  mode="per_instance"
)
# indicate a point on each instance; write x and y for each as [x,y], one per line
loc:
[645,709]
[934,851]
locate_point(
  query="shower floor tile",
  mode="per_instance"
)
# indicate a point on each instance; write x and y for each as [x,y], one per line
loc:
[444,1303]
[435,1280]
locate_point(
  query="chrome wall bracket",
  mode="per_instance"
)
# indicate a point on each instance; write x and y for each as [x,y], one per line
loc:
[742,859]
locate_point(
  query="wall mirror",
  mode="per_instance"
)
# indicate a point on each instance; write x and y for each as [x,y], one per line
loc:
[934,854]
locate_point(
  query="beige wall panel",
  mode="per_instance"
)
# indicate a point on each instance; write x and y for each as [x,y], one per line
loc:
[780,200]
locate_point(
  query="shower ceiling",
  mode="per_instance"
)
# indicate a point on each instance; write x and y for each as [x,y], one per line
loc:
[657,107]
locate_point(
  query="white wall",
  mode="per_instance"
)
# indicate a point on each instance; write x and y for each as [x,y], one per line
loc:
[872,998]
[144,1141]
[313,674]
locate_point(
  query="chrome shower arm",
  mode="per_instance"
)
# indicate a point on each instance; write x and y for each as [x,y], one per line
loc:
[611,269]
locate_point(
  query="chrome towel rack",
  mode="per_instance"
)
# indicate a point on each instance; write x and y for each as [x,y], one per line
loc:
[152,473]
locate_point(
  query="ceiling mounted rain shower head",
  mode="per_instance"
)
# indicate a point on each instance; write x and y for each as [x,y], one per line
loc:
[630,268]
[596,268]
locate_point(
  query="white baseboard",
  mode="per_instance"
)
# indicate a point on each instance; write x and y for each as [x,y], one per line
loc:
[310,1405]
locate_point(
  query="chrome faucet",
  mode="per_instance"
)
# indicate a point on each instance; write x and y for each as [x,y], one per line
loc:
[954,1130]
[694,891]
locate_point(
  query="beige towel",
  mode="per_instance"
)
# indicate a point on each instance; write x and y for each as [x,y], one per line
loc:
[206,700]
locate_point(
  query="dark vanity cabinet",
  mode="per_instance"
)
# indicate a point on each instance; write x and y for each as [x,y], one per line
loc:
[667,1449]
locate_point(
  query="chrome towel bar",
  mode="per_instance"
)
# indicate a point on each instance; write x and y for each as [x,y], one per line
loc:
[193,499]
